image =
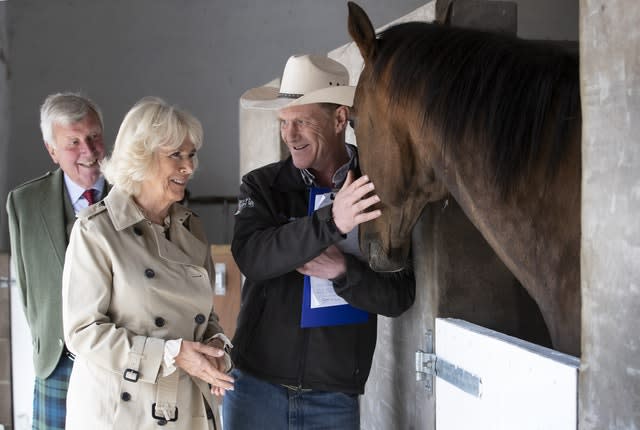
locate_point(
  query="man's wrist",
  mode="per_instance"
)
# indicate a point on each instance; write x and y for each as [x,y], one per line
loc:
[334,227]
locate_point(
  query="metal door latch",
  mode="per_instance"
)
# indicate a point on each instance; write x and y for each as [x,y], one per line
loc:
[428,365]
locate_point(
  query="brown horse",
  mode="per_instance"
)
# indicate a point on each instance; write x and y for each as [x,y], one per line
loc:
[495,122]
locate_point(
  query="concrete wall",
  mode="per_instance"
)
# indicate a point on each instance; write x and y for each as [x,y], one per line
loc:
[610,78]
[5,326]
[5,343]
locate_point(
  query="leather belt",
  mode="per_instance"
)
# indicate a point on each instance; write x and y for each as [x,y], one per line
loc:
[296,388]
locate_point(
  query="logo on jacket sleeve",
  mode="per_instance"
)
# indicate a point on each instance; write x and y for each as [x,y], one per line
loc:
[244,203]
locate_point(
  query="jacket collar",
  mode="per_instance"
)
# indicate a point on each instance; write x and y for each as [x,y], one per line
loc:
[290,178]
[183,248]
[124,212]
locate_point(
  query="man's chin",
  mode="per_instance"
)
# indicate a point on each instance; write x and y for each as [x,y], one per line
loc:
[89,179]
[300,164]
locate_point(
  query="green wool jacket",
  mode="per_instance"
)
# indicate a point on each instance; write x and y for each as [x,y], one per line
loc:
[40,215]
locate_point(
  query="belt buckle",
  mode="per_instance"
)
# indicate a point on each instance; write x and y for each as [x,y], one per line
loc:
[131,375]
[297,388]
[161,417]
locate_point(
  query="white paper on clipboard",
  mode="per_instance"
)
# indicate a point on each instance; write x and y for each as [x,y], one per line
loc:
[322,293]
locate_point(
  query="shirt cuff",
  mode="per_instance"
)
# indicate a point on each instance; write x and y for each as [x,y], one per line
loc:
[223,337]
[171,351]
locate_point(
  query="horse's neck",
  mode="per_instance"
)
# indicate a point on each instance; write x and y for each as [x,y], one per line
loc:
[536,232]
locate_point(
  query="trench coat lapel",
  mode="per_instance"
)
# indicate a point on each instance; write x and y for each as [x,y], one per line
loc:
[52,214]
[182,248]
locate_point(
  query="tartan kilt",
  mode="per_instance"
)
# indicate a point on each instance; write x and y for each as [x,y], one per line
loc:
[50,397]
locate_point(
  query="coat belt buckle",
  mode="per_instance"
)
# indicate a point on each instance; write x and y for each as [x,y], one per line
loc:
[162,417]
[131,375]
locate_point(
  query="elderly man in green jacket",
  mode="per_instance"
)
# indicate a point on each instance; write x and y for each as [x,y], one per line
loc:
[41,214]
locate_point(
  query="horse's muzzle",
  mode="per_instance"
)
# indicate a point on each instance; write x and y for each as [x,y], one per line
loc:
[380,261]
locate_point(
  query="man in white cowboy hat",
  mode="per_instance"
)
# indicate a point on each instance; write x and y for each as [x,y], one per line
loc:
[290,372]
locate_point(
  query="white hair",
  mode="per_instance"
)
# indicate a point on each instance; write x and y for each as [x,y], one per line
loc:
[65,109]
[151,124]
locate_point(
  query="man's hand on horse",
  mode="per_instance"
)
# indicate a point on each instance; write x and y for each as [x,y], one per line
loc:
[331,264]
[351,202]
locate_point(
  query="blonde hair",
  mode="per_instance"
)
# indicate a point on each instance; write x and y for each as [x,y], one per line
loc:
[151,124]
[64,109]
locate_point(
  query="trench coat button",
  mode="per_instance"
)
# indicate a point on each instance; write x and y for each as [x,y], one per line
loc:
[159,322]
[125,396]
[137,231]
[200,319]
[149,273]
[162,422]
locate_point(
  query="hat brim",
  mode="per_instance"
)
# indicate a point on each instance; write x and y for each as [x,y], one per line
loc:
[266,97]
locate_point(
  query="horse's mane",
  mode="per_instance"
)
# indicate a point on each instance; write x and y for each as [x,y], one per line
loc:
[496,87]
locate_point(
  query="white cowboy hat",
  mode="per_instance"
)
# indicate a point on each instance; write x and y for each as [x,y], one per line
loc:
[306,79]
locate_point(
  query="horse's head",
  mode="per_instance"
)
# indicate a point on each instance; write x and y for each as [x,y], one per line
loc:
[401,172]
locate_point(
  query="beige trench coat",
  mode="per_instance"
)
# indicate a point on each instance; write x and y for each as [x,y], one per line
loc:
[125,290]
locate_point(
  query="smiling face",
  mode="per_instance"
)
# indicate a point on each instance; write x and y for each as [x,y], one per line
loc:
[167,181]
[78,148]
[314,136]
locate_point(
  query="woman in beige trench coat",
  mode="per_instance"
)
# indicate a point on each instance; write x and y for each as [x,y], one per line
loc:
[137,288]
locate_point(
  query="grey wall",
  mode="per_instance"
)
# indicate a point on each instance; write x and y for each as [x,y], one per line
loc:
[200,54]
[548,19]
[610,83]
[4,116]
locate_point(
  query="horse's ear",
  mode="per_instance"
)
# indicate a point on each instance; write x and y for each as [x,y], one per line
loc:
[361,31]
[445,18]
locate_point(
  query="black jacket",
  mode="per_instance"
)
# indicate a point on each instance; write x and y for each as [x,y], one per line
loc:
[273,236]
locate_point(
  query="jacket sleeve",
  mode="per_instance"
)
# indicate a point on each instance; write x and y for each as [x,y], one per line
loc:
[16,250]
[388,294]
[86,294]
[266,244]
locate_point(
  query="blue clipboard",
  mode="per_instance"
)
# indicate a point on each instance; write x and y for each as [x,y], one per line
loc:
[329,315]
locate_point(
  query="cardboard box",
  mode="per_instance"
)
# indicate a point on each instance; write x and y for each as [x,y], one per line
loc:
[227,305]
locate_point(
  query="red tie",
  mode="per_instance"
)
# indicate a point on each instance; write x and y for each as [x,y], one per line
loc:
[88,195]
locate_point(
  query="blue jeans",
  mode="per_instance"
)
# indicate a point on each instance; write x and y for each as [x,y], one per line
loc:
[255,404]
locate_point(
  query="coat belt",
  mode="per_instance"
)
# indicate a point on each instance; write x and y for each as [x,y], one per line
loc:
[166,405]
